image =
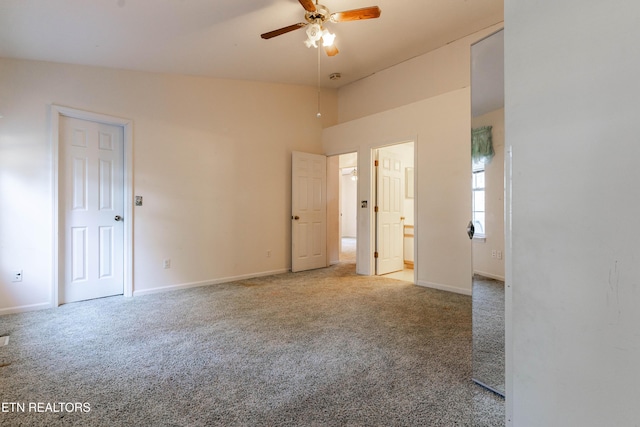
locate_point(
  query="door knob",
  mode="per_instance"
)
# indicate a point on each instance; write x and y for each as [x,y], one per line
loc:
[295,217]
[470,230]
[118,218]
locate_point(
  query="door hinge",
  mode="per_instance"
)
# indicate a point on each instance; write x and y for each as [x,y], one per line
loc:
[375,254]
[375,163]
[375,209]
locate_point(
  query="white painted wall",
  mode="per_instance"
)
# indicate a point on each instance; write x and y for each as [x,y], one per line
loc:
[425,100]
[440,128]
[483,262]
[211,159]
[432,74]
[572,108]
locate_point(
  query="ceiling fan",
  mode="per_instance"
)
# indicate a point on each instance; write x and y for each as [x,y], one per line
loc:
[316,15]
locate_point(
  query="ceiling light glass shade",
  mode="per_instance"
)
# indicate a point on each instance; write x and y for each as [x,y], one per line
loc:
[327,38]
[314,33]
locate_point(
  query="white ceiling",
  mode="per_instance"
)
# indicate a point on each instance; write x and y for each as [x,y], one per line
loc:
[221,38]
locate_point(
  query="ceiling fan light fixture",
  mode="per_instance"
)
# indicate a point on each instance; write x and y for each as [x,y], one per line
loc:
[316,15]
[314,33]
[327,38]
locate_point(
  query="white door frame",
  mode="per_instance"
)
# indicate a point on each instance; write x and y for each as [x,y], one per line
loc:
[57,112]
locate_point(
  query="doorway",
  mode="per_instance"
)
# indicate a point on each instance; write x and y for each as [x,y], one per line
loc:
[394,211]
[342,207]
[348,207]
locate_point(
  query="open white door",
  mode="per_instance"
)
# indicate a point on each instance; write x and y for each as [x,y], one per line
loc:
[308,211]
[389,233]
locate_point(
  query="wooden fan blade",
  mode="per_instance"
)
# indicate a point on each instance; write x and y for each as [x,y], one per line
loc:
[331,50]
[308,5]
[356,14]
[281,31]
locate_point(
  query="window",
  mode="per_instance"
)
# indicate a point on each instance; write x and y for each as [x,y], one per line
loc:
[477,190]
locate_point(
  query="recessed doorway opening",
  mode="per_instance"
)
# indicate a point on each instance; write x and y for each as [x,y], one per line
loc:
[346,176]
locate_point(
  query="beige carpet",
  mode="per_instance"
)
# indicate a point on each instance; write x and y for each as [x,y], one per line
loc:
[319,348]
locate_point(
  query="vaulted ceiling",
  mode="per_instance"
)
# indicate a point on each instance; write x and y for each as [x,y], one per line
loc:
[221,38]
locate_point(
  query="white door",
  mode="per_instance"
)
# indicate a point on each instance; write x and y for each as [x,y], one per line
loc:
[308,211]
[389,199]
[91,209]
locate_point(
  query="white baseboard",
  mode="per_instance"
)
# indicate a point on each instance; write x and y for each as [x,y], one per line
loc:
[444,287]
[137,293]
[25,308]
[489,275]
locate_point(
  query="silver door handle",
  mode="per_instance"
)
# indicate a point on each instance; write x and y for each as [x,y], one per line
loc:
[470,230]
[118,218]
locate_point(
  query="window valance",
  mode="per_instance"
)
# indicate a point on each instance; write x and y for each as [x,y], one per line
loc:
[481,145]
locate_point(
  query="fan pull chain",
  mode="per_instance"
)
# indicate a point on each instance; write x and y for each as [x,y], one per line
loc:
[318,114]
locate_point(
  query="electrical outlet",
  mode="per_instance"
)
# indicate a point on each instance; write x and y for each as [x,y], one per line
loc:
[499,254]
[269,253]
[16,276]
[166,263]
[493,253]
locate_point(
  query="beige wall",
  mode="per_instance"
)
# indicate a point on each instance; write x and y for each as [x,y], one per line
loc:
[483,261]
[439,126]
[211,159]
[432,74]
[425,100]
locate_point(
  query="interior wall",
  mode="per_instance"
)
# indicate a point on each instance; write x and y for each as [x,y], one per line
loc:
[440,128]
[571,85]
[212,159]
[425,76]
[419,100]
[484,262]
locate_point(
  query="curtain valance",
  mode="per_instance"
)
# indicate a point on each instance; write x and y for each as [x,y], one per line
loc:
[481,145]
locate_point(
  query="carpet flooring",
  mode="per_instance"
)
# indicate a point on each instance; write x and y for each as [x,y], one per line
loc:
[319,348]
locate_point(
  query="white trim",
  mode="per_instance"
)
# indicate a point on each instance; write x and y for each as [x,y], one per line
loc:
[208,282]
[444,287]
[24,308]
[508,288]
[58,111]
[416,215]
